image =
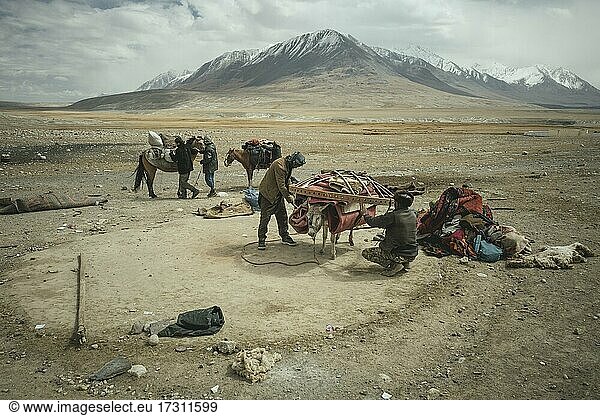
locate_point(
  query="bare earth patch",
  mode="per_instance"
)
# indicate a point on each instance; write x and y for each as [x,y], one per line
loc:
[445,330]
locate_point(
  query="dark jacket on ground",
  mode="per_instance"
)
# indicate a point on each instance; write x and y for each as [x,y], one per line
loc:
[210,162]
[400,231]
[182,155]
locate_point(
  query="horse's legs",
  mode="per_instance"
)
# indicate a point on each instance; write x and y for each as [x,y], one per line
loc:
[249,174]
[151,172]
[334,238]
[325,227]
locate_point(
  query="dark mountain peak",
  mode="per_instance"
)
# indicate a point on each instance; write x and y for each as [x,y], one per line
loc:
[322,42]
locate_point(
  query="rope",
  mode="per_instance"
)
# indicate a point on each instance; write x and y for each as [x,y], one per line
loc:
[315,261]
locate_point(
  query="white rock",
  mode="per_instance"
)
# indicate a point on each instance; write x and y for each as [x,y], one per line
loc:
[386,396]
[481,275]
[226,347]
[222,194]
[215,389]
[433,393]
[137,370]
[153,339]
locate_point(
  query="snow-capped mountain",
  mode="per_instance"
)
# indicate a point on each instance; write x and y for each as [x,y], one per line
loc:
[165,80]
[534,75]
[329,60]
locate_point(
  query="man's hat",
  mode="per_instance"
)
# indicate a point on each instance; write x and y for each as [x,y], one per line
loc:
[296,159]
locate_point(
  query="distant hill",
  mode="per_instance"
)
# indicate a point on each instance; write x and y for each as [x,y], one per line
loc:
[329,62]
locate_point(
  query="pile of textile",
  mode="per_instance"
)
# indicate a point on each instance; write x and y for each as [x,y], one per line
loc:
[460,223]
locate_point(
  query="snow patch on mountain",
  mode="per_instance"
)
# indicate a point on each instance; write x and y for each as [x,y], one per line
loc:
[322,41]
[165,80]
[533,75]
[229,58]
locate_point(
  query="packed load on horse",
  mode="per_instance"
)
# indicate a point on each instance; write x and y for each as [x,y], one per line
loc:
[333,201]
[255,154]
[159,157]
[262,152]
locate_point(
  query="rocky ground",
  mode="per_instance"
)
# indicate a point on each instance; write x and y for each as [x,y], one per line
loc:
[446,330]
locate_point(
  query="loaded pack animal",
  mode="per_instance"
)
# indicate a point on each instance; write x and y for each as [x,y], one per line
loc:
[153,159]
[328,217]
[253,156]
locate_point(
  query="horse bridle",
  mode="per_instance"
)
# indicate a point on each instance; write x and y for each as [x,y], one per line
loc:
[228,162]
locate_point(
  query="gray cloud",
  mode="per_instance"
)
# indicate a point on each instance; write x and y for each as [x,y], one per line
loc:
[61,50]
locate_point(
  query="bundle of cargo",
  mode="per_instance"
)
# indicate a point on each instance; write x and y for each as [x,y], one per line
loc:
[333,200]
[344,186]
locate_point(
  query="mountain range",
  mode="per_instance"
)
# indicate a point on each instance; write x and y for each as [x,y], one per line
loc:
[327,60]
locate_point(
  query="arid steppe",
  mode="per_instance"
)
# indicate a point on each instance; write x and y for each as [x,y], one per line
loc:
[445,330]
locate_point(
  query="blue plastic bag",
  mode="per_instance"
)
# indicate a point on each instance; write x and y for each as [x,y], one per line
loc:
[487,252]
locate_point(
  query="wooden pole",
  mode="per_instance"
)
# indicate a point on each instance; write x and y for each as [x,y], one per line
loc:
[79,336]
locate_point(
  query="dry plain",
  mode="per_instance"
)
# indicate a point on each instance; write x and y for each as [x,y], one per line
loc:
[443,331]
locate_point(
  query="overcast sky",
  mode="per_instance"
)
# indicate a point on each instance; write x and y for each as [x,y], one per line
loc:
[66,50]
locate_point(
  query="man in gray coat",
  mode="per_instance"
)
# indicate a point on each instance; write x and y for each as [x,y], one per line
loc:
[399,246]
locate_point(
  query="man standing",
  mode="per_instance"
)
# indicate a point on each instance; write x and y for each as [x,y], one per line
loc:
[272,194]
[399,246]
[210,164]
[182,155]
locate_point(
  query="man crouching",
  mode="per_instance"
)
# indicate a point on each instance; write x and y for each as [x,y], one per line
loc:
[399,246]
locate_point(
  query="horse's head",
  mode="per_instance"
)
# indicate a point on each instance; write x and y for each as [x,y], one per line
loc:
[230,157]
[316,217]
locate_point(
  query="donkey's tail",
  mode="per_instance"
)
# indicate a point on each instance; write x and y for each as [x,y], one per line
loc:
[140,174]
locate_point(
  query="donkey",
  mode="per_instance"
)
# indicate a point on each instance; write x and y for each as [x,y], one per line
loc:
[318,218]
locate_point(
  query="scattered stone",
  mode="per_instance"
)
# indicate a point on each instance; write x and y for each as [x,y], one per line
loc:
[482,275]
[153,340]
[525,153]
[137,370]
[463,260]
[386,396]
[226,347]
[214,389]
[94,346]
[433,393]
[180,348]
[385,378]
[578,331]
[137,328]
[113,368]
[254,364]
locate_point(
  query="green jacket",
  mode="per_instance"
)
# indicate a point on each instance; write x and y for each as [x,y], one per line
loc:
[276,181]
[209,161]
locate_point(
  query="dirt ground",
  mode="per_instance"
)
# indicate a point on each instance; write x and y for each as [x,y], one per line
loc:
[445,330]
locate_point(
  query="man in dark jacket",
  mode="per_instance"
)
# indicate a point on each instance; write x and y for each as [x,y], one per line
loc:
[399,246]
[210,164]
[182,155]
[272,194]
